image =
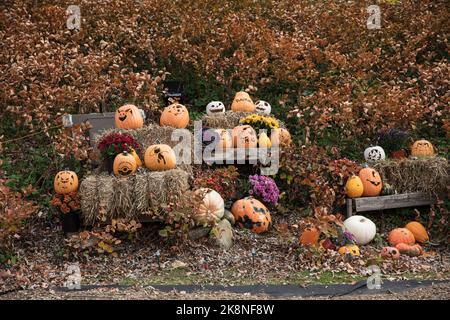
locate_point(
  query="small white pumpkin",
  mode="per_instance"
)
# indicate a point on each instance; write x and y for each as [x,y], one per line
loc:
[214,108]
[361,228]
[211,209]
[374,154]
[263,107]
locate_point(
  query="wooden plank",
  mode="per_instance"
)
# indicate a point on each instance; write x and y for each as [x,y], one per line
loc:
[349,207]
[405,200]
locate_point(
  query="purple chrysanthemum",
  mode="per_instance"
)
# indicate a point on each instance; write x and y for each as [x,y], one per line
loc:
[264,188]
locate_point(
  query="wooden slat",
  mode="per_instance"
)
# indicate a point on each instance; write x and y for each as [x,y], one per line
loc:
[415,199]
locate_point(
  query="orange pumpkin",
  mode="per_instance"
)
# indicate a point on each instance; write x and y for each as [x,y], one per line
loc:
[128,117]
[371,181]
[242,102]
[418,230]
[409,250]
[280,137]
[124,164]
[176,115]
[310,236]
[160,157]
[225,139]
[252,214]
[244,137]
[390,253]
[422,148]
[65,182]
[401,235]
[351,249]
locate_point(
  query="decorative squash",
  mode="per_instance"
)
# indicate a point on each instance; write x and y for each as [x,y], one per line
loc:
[390,253]
[280,137]
[422,148]
[263,107]
[128,117]
[418,230]
[136,157]
[212,207]
[176,115]
[225,139]
[124,164]
[160,157]
[310,237]
[244,137]
[409,250]
[252,214]
[264,141]
[350,249]
[361,228]
[354,187]
[371,181]
[242,103]
[374,154]
[215,108]
[65,182]
[401,235]
[388,190]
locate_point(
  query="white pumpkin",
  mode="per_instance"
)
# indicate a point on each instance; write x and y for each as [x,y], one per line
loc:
[374,154]
[211,209]
[263,107]
[214,108]
[363,229]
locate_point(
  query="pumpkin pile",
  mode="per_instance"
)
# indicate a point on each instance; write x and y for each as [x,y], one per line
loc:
[403,241]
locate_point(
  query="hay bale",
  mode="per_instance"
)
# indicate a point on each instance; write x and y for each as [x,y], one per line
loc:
[104,197]
[227,120]
[429,175]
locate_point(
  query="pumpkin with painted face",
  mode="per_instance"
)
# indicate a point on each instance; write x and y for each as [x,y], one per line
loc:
[160,157]
[374,154]
[263,107]
[422,148]
[390,253]
[215,108]
[244,137]
[65,182]
[251,214]
[280,137]
[242,103]
[128,117]
[371,181]
[124,164]
[354,187]
[176,115]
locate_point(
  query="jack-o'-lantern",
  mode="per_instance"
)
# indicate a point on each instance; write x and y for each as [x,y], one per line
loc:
[160,157]
[128,117]
[242,102]
[215,108]
[371,181]
[351,249]
[65,182]
[280,137]
[422,148]
[136,157]
[124,164]
[374,154]
[244,137]
[176,115]
[264,141]
[401,235]
[354,187]
[251,214]
[225,139]
[263,107]
[390,253]
[211,208]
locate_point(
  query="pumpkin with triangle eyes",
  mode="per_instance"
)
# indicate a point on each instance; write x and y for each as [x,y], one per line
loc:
[124,164]
[422,148]
[375,153]
[128,117]
[371,181]
[263,107]
[244,137]
[160,157]
[65,182]
[251,214]
[280,137]
[176,115]
[242,103]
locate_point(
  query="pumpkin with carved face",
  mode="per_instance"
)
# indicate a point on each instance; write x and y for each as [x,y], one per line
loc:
[371,181]
[374,154]
[263,107]
[65,182]
[176,115]
[422,148]
[244,137]
[390,253]
[280,137]
[160,157]
[128,117]
[251,214]
[242,102]
[215,108]
[124,164]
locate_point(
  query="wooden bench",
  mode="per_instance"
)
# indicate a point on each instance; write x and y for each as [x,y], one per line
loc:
[405,200]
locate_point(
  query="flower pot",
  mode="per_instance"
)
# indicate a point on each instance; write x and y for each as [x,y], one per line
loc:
[71,221]
[399,154]
[108,165]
